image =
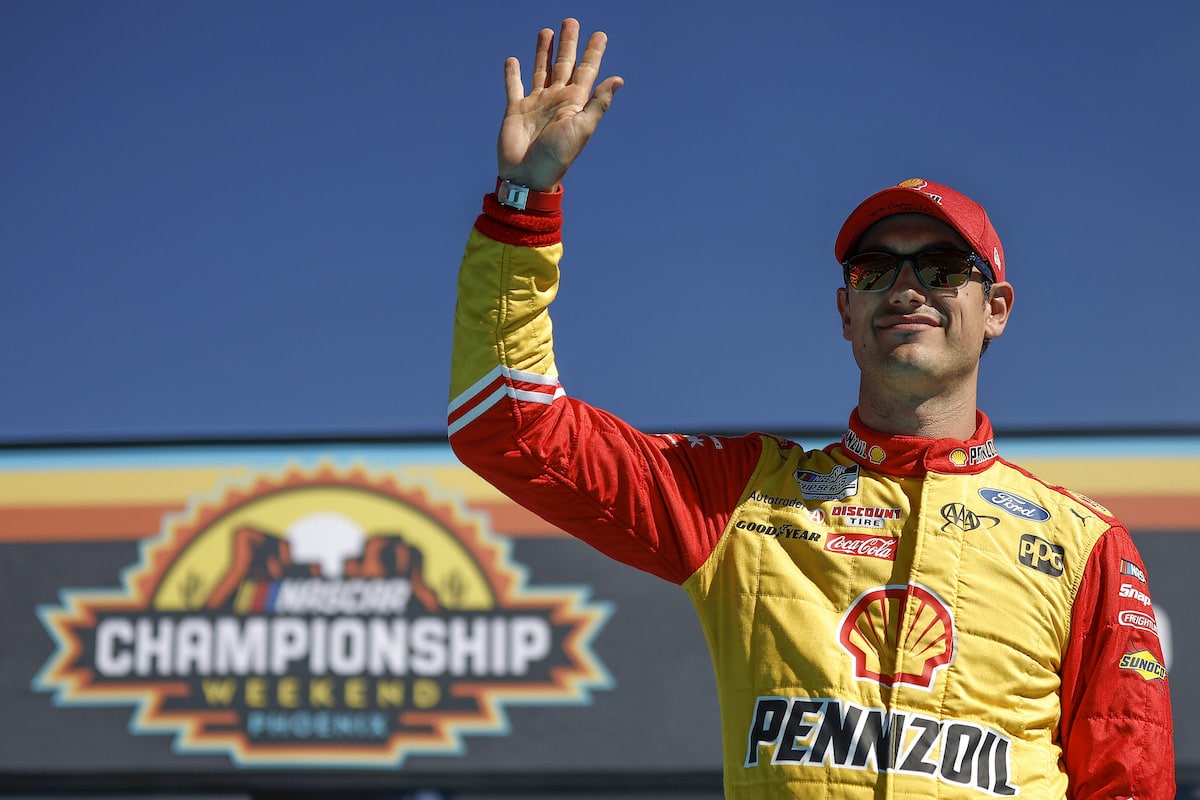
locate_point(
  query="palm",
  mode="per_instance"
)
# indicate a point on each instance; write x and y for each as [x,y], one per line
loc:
[543,132]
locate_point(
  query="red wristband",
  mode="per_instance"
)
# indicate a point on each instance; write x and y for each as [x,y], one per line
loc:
[522,198]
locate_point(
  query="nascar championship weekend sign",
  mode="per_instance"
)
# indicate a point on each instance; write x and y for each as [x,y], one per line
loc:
[248,613]
[311,614]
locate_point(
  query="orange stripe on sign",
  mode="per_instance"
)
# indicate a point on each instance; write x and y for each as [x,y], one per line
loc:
[80,523]
[511,519]
[36,524]
[1154,513]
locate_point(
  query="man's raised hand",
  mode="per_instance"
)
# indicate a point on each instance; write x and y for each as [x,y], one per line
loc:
[543,132]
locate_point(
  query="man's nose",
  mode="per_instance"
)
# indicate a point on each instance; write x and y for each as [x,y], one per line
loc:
[907,281]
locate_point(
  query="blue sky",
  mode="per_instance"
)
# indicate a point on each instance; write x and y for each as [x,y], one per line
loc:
[245,218]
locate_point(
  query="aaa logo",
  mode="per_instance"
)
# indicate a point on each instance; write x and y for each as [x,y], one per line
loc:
[321,619]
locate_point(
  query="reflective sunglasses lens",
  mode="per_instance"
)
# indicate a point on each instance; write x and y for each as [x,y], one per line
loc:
[871,272]
[944,269]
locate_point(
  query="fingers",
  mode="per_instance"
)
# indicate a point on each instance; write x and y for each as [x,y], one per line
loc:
[563,70]
[513,89]
[602,99]
[568,41]
[541,59]
[589,66]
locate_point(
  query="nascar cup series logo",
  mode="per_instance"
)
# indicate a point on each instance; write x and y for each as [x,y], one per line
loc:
[323,618]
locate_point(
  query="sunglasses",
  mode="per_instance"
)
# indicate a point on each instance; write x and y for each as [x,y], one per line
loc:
[935,269]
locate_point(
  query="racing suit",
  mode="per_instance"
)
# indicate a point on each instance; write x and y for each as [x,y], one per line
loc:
[889,615]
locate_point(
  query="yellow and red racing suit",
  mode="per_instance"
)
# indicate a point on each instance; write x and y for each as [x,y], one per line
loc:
[889,614]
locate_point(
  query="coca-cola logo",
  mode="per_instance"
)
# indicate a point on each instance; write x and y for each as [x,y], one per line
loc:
[862,544]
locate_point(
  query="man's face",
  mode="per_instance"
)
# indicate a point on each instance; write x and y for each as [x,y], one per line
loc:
[912,338]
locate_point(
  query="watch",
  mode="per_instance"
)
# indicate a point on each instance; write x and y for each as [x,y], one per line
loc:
[522,198]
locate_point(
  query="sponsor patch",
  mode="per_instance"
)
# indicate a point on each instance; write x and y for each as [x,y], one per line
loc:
[1145,664]
[957,515]
[1015,504]
[862,544]
[1139,620]
[784,530]
[1083,498]
[868,452]
[864,516]
[891,620]
[1132,570]
[1133,593]
[831,732]
[976,454]
[837,484]
[777,502]
[323,617]
[1037,553]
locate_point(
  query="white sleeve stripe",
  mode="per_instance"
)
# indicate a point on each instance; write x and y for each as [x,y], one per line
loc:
[474,389]
[543,397]
[460,423]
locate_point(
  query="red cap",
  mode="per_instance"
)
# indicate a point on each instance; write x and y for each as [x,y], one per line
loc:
[920,196]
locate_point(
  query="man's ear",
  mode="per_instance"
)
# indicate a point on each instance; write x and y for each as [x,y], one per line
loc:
[843,307]
[999,307]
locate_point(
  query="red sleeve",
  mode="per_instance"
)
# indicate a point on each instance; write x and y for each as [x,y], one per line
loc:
[1116,729]
[658,503]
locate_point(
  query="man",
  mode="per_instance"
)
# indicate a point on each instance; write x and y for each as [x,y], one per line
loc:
[900,614]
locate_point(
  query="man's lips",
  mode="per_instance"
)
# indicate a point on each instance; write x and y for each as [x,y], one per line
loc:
[909,322]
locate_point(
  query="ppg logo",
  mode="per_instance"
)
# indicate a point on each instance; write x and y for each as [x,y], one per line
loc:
[1036,553]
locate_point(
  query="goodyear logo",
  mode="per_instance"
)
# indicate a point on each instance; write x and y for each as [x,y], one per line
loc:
[1145,664]
[323,618]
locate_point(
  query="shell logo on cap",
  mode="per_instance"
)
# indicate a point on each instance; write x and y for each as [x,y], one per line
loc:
[913,183]
[899,635]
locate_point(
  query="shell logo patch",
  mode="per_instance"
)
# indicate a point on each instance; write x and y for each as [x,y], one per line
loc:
[323,617]
[899,635]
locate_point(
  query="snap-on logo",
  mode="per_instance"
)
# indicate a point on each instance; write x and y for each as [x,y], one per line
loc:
[1015,504]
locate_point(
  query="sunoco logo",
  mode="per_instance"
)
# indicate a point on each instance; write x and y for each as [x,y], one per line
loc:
[1145,664]
[323,619]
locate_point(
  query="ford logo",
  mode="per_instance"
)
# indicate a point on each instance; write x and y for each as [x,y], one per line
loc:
[1016,505]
